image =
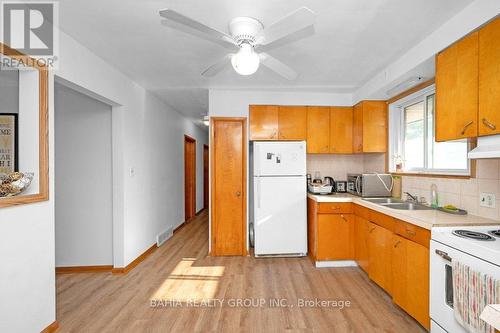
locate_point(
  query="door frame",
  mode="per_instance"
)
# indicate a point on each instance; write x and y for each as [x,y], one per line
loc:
[189,140]
[243,121]
[206,176]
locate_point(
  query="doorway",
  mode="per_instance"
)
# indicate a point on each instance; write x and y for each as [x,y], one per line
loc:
[205,176]
[189,178]
[83,180]
[228,186]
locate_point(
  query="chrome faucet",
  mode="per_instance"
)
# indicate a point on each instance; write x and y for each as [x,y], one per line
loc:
[411,197]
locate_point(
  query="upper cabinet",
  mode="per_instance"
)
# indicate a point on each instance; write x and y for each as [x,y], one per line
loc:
[292,123]
[468,86]
[272,122]
[264,122]
[341,130]
[370,127]
[318,129]
[457,90]
[489,78]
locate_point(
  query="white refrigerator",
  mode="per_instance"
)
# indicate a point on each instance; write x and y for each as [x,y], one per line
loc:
[279,198]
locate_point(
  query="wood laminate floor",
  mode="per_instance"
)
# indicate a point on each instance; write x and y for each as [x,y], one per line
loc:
[179,276]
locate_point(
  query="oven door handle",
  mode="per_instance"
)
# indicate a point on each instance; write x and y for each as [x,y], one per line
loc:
[443,255]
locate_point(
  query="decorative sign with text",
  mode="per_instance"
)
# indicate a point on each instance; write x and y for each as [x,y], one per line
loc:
[8,143]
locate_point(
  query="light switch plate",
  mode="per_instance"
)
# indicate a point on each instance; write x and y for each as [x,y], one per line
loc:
[487,200]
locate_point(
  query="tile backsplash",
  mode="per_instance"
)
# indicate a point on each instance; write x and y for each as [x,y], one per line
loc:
[338,166]
[463,193]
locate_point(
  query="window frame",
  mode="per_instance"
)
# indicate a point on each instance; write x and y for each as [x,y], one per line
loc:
[397,133]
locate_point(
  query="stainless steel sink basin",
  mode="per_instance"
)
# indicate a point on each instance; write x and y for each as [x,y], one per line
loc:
[407,206]
[383,201]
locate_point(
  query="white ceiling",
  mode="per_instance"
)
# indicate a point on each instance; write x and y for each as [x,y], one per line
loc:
[352,40]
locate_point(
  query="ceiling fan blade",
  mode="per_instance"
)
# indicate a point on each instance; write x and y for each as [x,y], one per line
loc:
[206,31]
[277,66]
[295,21]
[218,66]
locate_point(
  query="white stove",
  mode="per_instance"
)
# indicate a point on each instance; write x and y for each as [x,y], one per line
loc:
[476,246]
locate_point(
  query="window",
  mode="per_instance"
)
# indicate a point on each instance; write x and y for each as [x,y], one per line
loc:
[413,147]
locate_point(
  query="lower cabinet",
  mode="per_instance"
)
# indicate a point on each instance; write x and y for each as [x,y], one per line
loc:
[380,256]
[410,276]
[361,226]
[335,237]
[394,253]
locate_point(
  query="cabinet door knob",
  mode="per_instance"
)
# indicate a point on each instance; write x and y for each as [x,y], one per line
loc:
[465,127]
[371,230]
[238,194]
[343,217]
[397,244]
[489,125]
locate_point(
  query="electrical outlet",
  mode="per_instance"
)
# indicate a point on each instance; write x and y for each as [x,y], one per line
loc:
[487,200]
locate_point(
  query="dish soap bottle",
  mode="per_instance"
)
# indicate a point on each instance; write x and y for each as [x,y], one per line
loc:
[434,196]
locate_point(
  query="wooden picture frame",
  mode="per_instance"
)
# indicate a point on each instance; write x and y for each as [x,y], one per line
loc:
[43,132]
[5,166]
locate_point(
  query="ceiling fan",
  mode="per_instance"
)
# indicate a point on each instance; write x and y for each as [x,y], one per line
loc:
[246,36]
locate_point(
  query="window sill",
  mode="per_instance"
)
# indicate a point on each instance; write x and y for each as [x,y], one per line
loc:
[431,175]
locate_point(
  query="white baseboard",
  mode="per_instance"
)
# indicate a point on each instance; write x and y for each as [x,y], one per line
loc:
[336,263]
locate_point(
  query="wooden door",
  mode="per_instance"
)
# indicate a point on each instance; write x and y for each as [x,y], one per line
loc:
[361,242]
[318,129]
[228,186]
[292,122]
[263,122]
[457,90]
[410,276]
[335,237]
[341,129]
[374,126]
[189,178]
[489,78]
[357,128]
[205,176]
[380,256]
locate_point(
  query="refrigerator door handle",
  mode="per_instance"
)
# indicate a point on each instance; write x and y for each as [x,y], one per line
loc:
[258,192]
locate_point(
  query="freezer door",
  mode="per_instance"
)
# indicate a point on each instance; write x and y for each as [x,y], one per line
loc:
[280,216]
[279,158]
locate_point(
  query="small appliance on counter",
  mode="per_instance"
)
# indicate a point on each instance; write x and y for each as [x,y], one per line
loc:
[341,186]
[327,186]
[371,184]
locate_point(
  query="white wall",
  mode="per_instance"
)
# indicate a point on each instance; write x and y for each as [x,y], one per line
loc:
[83,183]
[27,276]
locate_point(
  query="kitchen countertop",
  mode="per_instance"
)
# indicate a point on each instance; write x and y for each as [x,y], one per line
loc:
[423,218]
[491,315]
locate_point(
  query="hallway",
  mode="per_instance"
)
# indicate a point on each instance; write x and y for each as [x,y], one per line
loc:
[181,271]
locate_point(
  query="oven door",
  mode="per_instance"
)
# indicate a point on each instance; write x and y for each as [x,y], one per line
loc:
[441,286]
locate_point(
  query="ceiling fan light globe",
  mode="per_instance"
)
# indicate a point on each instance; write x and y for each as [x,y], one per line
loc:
[246,61]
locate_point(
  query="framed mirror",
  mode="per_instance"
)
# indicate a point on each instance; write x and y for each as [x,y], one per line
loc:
[24,142]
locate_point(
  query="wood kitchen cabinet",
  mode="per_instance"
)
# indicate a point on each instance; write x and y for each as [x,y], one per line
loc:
[263,122]
[335,237]
[370,127]
[330,230]
[410,276]
[361,227]
[489,78]
[457,90]
[292,123]
[380,256]
[318,129]
[341,129]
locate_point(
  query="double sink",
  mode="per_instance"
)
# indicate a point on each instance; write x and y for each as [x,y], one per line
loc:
[397,204]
